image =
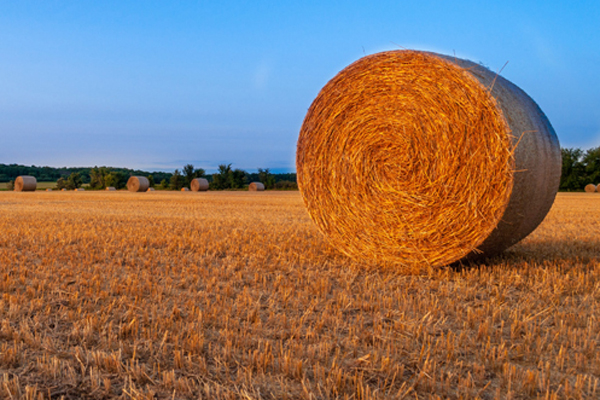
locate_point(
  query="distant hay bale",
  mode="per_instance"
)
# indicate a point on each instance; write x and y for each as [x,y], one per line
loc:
[138,184]
[419,160]
[63,190]
[185,189]
[25,183]
[256,187]
[48,190]
[199,185]
[590,188]
[111,189]
[151,189]
[80,190]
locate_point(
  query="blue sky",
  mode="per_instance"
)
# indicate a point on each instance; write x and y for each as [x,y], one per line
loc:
[156,84]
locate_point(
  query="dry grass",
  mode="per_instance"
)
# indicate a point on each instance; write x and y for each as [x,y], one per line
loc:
[122,295]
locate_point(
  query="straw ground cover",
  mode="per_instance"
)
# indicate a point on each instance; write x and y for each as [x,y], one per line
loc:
[237,295]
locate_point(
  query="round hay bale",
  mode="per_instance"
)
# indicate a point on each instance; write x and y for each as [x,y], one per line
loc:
[151,189]
[590,188]
[420,160]
[111,189]
[138,184]
[63,190]
[80,190]
[199,185]
[25,183]
[48,190]
[185,189]
[256,187]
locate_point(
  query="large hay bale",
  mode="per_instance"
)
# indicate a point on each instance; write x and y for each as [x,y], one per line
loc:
[590,188]
[111,189]
[25,183]
[138,184]
[199,185]
[256,187]
[421,160]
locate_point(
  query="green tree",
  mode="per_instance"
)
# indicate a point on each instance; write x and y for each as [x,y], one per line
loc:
[591,160]
[189,173]
[221,179]
[177,181]
[61,183]
[74,181]
[573,170]
[151,180]
[164,184]
[10,185]
[96,178]
[266,177]
[116,179]
[237,178]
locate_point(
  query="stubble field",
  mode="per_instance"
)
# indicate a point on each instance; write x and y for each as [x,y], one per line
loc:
[237,295]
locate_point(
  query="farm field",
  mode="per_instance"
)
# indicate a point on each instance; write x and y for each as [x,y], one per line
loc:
[236,295]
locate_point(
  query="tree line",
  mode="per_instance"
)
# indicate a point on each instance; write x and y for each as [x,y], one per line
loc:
[579,167]
[227,177]
[99,178]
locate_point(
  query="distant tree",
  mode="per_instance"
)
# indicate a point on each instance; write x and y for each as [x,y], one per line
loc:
[151,180]
[10,185]
[190,173]
[573,170]
[221,179]
[237,178]
[177,181]
[199,173]
[591,160]
[164,184]
[74,181]
[116,179]
[61,183]
[266,177]
[286,185]
[96,179]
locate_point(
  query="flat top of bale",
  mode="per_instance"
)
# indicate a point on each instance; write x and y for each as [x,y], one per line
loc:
[405,157]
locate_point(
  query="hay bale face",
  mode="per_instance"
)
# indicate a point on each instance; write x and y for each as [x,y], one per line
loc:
[25,183]
[199,185]
[420,160]
[256,187]
[138,184]
[590,188]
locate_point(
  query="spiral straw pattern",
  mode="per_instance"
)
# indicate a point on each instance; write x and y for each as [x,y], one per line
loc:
[406,157]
